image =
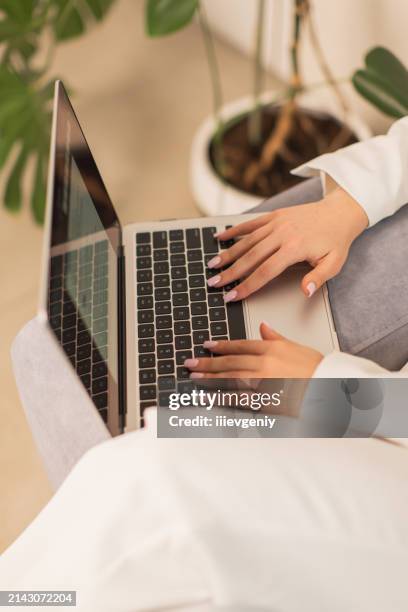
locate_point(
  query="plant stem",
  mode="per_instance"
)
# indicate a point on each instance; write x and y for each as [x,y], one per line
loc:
[255,127]
[215,83]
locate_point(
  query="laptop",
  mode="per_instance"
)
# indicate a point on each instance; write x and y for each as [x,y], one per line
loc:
[128,304]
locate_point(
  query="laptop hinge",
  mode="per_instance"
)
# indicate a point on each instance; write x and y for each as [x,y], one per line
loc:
[122,337]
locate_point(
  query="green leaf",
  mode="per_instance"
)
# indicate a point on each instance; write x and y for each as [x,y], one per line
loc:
[70,21]
[39,190]
[388,67]
[378,93]
[12,197]
[168,16]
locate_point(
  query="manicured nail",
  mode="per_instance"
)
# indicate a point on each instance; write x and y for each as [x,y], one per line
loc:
[214,280]
[191,363]
[231,295]
[311,288]
[267,325]
[196,375]
[214,262]
[210,343]
[217,234]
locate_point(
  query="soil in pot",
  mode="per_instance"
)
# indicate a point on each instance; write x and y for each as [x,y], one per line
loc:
[311,134]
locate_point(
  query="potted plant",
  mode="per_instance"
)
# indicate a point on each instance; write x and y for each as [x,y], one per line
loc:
[244,152]
[26,91]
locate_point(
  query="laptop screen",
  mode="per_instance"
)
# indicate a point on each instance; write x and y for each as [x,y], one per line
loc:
[85,238]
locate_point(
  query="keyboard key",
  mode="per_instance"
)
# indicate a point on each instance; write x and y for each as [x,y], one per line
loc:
[101,339]
[85,270]
[162,280]
[101,325]
[55,309]
[177,247]
[101,271]
[214,289]
[185,387]
[219,329]
[179,286]
[100,298]
[99,385]
[164,399]
[197,295]
[56,295]
[176,235]
[193,239]
[143,262]
[200,351]
[86,380]
[86,283]
[162,308]
[85,254]
[100,311]
[56,282]
[70,349]
[144,302]
[164,322]
[197,281]
[195,267]
[143,276]
[142,238]
[183,342]
[199,322]
[146,345]
[147,392]
[84,338]
[198,308]
[165,351]
[217,314]
[216,299]
[84,352]
[178,260]
[69,307]
[161,267]
[72,256]
[180,272]
[162,294]
[199,337]
[160,255]
[99,369]
[147,376]
[180,299]
[164,336]
[181,328]
[165,367]
[165,383]
[144,288]
[143,250]
[145,316]
[183,373]
[159,240]
[236,321]
[194,255]
[56,265]
[181,313]
[147,360]
[145,331]
[100,353]
[144,405]
[209,242]
[181,356]
[69,335]
[101,400]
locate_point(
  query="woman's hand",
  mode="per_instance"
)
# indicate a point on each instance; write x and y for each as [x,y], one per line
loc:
[320,233]
[272,357]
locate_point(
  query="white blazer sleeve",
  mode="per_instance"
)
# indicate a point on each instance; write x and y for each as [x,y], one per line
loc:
[342,365]
[374,172]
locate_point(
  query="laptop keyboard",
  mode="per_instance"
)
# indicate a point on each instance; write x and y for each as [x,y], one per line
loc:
[78,305]
[176,310]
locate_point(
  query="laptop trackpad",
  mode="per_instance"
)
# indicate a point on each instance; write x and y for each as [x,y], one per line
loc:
[283,305]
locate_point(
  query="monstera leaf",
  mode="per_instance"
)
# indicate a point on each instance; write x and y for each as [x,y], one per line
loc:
[25,112]
[383,82]
[167,16]
[71,17]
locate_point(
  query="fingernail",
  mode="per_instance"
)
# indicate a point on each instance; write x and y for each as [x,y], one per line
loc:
[196,375]
[214,280]
[217,234]
[231,295]
[267,324]
[210,343]
[214,262]
[191,363]
[311,288]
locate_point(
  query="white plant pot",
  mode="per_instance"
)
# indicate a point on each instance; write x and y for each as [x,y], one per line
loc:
[214,197]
